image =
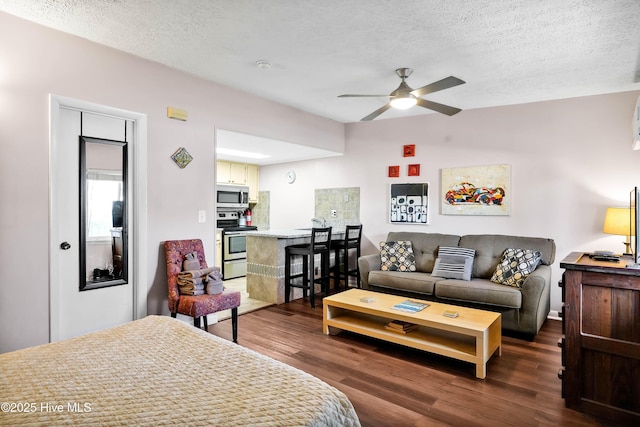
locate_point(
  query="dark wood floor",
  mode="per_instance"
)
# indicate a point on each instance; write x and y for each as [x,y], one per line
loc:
[391,385]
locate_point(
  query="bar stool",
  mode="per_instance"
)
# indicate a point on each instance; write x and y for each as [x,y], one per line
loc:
[320,244]
[341,269]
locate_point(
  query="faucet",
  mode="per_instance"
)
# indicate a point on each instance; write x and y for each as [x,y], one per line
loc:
[320,220]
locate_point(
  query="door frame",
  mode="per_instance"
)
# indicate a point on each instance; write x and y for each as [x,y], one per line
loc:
[138,238]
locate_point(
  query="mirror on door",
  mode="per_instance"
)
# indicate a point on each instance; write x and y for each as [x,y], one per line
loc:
[103,213]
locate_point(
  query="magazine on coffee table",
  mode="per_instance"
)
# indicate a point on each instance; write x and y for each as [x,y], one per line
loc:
[410,306]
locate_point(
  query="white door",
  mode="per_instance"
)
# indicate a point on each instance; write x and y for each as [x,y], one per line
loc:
[74,310]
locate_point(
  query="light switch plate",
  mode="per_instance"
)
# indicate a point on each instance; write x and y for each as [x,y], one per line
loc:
[202,217]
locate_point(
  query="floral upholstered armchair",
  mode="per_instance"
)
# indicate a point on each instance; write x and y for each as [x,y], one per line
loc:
[196,306]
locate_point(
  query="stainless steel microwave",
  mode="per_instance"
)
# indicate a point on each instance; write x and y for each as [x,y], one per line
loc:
[232,196]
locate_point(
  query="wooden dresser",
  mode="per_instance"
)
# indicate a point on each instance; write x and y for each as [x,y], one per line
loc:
[601,338]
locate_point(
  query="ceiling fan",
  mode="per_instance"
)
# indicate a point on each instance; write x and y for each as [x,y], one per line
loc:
[405,97]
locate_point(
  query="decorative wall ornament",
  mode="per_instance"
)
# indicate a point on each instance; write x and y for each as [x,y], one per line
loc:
[394,171]
[409,150]
[413,170]
[476,190]
[409,203]
[182,157]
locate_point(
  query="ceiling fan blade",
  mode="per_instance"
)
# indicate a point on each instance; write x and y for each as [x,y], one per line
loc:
[362,96]
[376,113]
[440,108]
[445,83]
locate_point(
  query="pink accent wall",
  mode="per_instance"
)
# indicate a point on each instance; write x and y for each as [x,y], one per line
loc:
[570,160]
[36,61]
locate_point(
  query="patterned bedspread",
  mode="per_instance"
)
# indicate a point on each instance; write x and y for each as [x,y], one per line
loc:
[161,371]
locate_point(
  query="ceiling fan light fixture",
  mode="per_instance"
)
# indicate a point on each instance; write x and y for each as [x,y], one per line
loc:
[403,102]
[405,97]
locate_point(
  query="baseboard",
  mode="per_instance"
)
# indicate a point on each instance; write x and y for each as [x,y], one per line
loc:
[554,315]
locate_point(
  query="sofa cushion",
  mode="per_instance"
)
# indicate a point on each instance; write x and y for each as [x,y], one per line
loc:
[454,263]
[425,246]
[415,282]
[397,256]
[479,291]
[490,247]
[515,266]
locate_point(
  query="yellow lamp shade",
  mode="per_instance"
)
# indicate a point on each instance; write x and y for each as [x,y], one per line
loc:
[618,221]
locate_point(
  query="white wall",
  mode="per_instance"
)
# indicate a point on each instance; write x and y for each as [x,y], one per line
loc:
[39,61]
[570,160]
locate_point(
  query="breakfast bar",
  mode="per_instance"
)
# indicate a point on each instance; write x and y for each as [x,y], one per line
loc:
[266,260]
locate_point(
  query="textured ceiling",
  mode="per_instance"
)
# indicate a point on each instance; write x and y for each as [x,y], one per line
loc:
[508,51]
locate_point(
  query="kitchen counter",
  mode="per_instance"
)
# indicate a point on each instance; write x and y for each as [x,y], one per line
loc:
[294,233]
[266,261]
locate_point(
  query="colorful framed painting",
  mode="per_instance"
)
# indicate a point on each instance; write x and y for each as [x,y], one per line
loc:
[394,171]
[181,157]
[409,203]
[413,170]
[409,150]
[476,190]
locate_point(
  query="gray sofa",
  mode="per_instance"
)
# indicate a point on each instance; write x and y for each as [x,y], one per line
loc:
[524,309]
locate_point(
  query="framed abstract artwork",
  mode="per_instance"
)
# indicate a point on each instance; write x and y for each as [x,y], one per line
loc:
[409,150]
[181,157]
[409,203]
[413,170]
[394,171]
[476,190]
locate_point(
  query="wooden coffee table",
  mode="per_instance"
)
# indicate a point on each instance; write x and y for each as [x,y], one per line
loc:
[474,336]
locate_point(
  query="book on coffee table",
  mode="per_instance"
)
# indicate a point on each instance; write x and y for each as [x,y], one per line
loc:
[400,326]
[410,306]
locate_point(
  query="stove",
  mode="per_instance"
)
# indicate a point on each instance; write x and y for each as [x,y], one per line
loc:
[234,244]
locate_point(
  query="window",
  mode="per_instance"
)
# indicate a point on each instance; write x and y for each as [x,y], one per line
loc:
[103,188]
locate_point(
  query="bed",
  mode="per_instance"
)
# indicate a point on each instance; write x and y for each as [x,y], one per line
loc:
[161,371]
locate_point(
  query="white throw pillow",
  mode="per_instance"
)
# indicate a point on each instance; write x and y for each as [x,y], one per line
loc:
[454,263]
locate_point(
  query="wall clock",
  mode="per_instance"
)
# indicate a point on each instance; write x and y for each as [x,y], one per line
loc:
[291,177]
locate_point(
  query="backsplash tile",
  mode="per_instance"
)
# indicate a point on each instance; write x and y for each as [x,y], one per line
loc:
[346,202]
[260,211]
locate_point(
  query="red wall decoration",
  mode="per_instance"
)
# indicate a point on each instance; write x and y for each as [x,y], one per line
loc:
[409,150]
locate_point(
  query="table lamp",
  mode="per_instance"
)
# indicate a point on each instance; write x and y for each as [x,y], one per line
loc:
[618,221]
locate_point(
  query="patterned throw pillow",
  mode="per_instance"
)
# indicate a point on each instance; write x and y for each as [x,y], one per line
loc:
[515,266]
[397,256]
[454,263]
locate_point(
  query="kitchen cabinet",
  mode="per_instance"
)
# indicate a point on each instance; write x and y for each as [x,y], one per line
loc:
[253,180]
[231,173]
[601,338]
[240,174]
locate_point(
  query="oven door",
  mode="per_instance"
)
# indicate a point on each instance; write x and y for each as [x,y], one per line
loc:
[234,245]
